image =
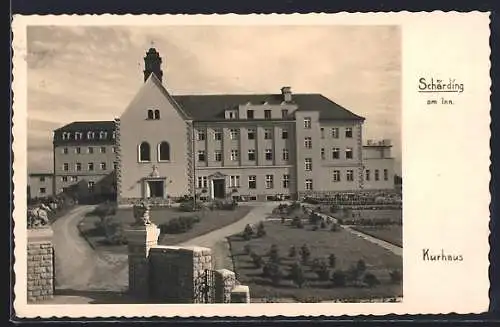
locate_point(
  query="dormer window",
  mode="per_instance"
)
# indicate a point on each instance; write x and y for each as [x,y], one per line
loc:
[157,114]
[90,135]
[267,114]
[151,114]
[103,135]
[78,136]
[232,114]
[66,135]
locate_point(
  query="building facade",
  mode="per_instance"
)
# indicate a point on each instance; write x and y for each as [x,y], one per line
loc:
[40,185]
[85,160]
[378,165]
[250,146]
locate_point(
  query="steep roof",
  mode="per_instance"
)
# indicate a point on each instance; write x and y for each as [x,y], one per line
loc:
[87,125]
[212,107]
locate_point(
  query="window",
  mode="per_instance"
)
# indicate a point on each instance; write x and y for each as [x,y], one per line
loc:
[114,135]
[251,134]
[284,113]
[144,152]
[103,166]
[218,155]
[350,175]
[74,178]
[234,181]
[90,150]
[322,132]
[164,151]
[251,155]
[78,150]
[335,132]
[348,132]
[252,181]
[284,134]
[78,136]
[114,149]
[65,166]
[249,114]
[308,164]
[66,135]
[323,156]
[336,175]
[377,177]
[348,153]
[90,135]
[200,135]
[367,174]
[65,150]
[233,114]
[269,154]
[233,133]
[268,134]
[285,155]
[286,181]
[42,179]
[157,114]
[269,181]
[103,135]
[234,155]
[202,181]
[150,114]
[267,114]
[42,190]
[78,166]
[307,122]
[308,142]
[201,155]
[91,166]
[217,134]
[386,175]
[102,149]
[64,179]
[91,185]
[335,153]
[115,165]
[309,184]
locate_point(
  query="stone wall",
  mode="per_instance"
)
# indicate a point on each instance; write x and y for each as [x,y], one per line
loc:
[40,265]
[225,281]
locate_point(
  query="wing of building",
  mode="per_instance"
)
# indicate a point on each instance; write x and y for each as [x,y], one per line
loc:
[249,146]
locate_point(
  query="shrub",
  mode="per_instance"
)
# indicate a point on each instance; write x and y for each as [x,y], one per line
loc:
[257,260]
[274,253]
[297,275]
[305,253]
[323,272]
[296,221]
[178,225]
[323,224]
[332,260]
[339,278]
[261,231]
[396,276]
[248,232]
[292,252]
[361,266]
[273,271]
[189,206]
[370,280]
[247,249]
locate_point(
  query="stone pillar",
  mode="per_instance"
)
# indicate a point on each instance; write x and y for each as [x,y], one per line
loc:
[240,294]
[178,274]
[225,280]
[40,265]
[140,240]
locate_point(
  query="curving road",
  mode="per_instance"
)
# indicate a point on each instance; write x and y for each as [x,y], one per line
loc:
[77,265]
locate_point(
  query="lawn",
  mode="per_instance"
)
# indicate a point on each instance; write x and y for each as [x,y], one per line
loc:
[348,249]
[209,221]
[391,233]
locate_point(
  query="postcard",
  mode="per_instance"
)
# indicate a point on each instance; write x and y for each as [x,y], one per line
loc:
[251,165]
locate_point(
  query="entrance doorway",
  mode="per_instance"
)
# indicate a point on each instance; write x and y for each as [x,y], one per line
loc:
[156,189]
[219,188]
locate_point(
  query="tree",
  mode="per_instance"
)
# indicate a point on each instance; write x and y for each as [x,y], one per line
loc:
[274,253]
[338,278]
[292,252]
[297,275]
[361,266]
[370,280]
[305,253]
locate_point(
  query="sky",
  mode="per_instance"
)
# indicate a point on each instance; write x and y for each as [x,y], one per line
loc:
[92,73]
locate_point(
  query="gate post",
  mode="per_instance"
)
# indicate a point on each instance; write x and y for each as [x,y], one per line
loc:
[40,264]
[140,240]
[225,280]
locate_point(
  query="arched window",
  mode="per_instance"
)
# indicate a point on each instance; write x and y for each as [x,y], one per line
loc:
[164,151]
[144,152]
[157,114]
[150,114]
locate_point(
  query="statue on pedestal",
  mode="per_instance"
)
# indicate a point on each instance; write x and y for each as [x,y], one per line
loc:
[141,214]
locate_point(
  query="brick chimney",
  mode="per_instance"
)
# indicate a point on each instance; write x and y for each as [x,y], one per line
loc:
[286,91]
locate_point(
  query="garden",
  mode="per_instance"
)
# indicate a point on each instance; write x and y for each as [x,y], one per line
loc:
[309,259]
[104,227]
